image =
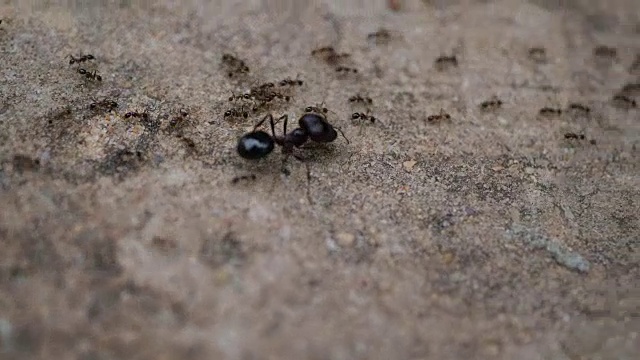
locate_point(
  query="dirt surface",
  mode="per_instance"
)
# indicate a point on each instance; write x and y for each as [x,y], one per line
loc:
[482,235]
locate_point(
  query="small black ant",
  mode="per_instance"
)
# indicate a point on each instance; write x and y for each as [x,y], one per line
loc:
[236,113]
[291,82]
[443,62]
[108,105]
[363,116]
[538,54]
[630,89]
[136,114]
[82,58]
[323,50]
[491,104]
[237,179]
[313,126]
[634,68]
[360,99]
[380,36]
[345,69]
[605,51]
[90,75]
[439,117]
[623,101]
[235,97]
[570,135]
[547,111]
[579,107]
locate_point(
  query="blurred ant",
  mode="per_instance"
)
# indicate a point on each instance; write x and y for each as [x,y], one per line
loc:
[381,36]
[605,51]
[443,62]
[323,50]
[290,82]
[570,135]
[538,54]
[345,69]
[360,99]
[439,117]
[330,55]
[136,114]
[623,101]
[630,89]
[547,111]
[491,104]
[90,75]
[106,104]
[579,107]
[236,65]
[82,58]
[180,119]
[237,179]
[235,97]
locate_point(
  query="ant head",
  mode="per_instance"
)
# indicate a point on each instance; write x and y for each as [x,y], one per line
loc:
[226,113]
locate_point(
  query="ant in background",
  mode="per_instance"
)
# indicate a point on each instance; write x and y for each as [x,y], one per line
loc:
[136,114]
[329,55]
[108,105]
[605,52]
[82,58]
[345,69]
[236,113]
[90,75]
[547,111]
[235,65]
[439,117]
[623,101]
[574,136]
[290,82]
[381,36]
[235,97]
[363,116]
[360,99]
[237,179]
[538,54]
[491,104]
[443,62]
[579,107]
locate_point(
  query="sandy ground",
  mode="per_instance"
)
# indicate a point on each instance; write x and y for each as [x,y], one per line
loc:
[487,235]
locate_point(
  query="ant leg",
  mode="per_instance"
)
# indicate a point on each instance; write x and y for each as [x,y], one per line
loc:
[337,128]
[268,116]
[284,126]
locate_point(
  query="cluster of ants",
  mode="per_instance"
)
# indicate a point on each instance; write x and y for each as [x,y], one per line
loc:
[261,95]
[235,66]
[334,58]
[82,71]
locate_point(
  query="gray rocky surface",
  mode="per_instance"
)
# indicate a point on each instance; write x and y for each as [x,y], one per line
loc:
[484,236]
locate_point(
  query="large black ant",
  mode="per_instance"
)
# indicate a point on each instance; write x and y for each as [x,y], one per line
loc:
[313,126]
[82,58]
[90,75]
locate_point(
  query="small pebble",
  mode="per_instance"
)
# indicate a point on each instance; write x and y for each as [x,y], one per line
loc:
[408,165]
[345,239]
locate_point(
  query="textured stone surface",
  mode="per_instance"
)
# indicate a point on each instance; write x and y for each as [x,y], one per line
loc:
[487,235]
